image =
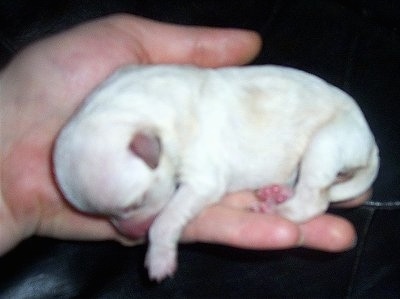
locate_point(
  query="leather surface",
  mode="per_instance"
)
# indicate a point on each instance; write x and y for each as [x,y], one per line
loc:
[354,45]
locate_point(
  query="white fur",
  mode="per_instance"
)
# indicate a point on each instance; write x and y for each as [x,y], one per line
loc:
[221,130]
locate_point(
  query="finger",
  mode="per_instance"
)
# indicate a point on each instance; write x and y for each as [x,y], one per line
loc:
[242,229]
[231,224]
[354,202]
[328,233]
[203,46]
[240,200]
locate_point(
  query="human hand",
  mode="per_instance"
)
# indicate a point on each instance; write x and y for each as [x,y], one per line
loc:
[41,88]
[231,223]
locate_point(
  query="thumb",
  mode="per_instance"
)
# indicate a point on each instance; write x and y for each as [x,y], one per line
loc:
[203,46]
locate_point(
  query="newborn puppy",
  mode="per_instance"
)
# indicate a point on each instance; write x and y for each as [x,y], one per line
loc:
[154,145]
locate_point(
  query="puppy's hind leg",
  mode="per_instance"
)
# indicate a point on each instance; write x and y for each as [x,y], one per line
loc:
[361,179]
[333,149]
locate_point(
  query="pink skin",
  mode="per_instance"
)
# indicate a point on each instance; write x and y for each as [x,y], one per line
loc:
[270,196]
[133,228]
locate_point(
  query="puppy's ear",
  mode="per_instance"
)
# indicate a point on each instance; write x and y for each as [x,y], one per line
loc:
[146,146]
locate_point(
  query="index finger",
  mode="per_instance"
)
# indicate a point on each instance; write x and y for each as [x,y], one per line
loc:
[220,224]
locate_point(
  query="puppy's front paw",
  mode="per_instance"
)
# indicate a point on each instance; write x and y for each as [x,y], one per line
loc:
[161,262]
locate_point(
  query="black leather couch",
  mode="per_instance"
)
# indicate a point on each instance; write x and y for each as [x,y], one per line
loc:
[353,44]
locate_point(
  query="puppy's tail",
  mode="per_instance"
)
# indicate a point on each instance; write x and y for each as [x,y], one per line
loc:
[359,182]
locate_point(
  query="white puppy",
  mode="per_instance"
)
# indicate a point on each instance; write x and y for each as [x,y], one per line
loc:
[154,145]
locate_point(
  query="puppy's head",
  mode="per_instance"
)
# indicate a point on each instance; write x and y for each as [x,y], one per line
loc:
[114,172]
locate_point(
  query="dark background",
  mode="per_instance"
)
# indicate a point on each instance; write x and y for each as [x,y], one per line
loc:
[352,44]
